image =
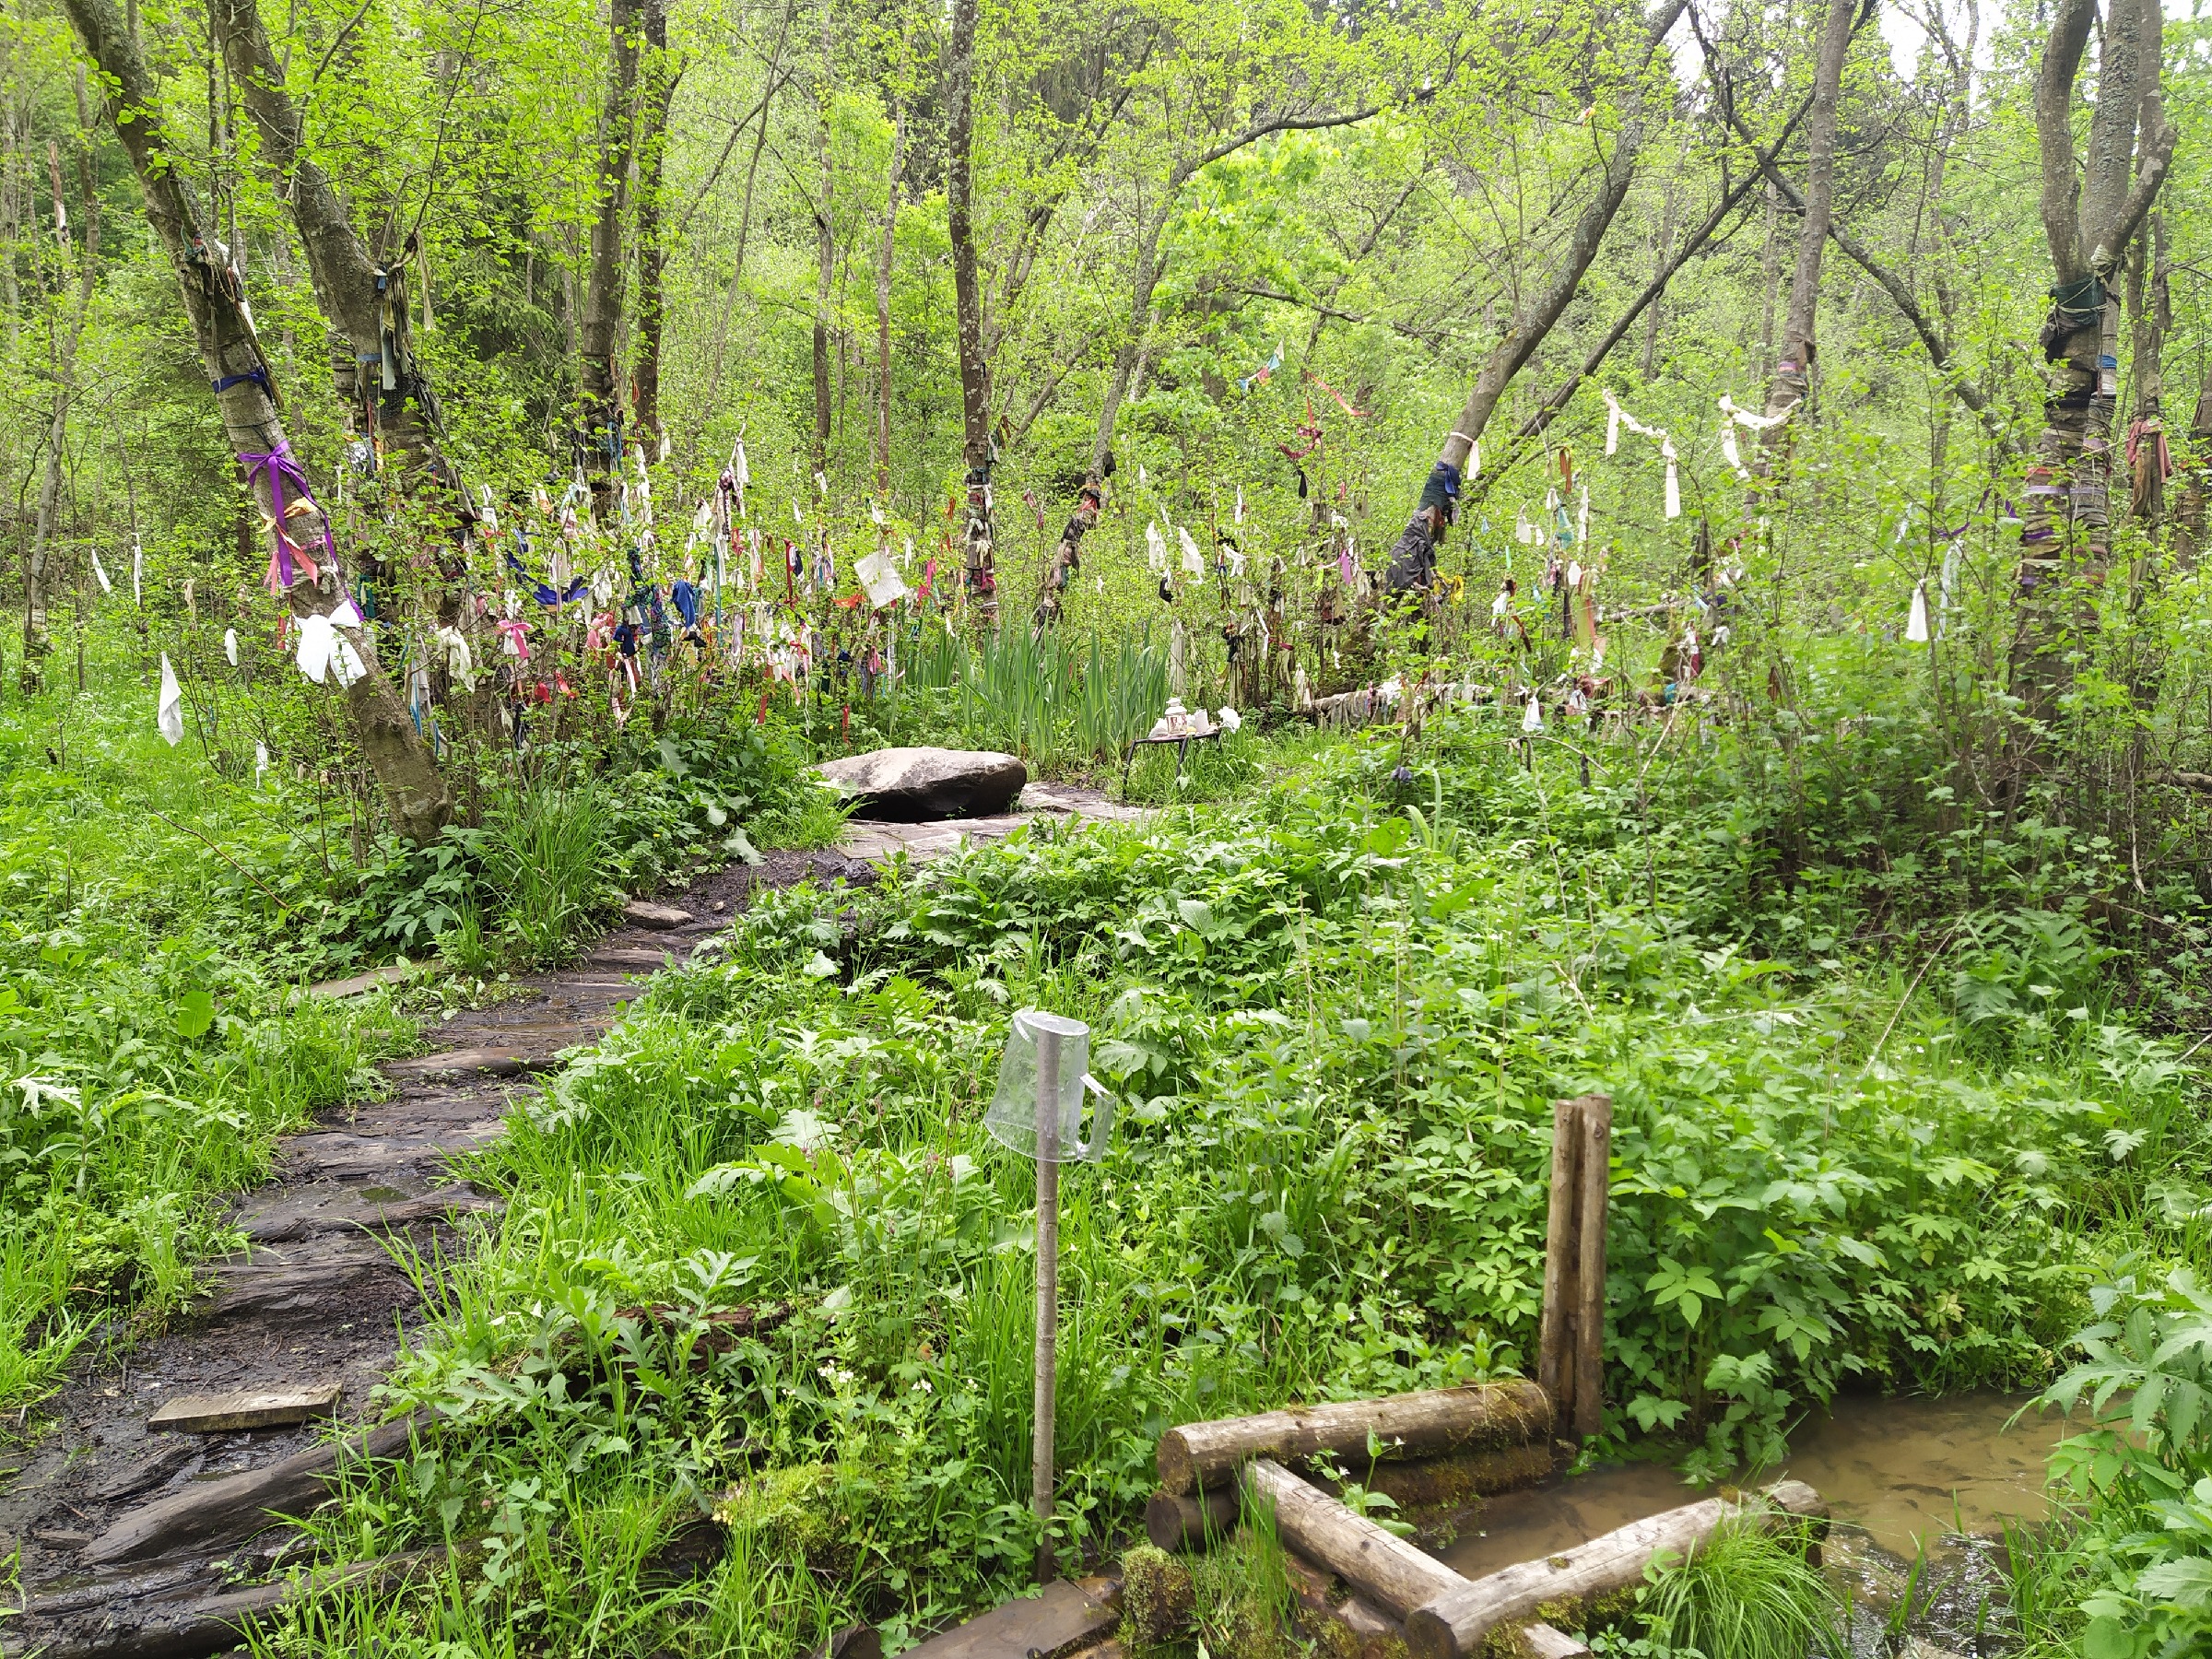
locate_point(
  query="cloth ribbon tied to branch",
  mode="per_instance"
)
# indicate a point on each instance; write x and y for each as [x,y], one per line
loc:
[1733,416]
[1617,418]
[280,468]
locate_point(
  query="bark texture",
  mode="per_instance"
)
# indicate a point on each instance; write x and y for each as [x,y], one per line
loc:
[600,401]
[1198,1456]
[976,456]
[2090,214]
[660,72]
[1793,376]
[415,793]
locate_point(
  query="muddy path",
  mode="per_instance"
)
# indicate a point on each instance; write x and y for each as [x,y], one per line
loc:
[161,1540]
[145,1539]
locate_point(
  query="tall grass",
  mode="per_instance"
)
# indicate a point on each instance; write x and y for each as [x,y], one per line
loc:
[1054,699]
[1743,1593]
[548,846]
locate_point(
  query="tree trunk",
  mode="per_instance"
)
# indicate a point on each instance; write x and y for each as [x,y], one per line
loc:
[1661,256]
[1792,372]
[37,642]
[2065,537]
[1196,1456]
[379,380]
[601,402]
[883,305]
[1541,307]
[967,310]
[825,254]
[659,75]
[2150,313]
[1769,282]
[415,793]
[2189,514]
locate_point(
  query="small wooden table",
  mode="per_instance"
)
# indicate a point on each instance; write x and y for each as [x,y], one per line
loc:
[1183,750]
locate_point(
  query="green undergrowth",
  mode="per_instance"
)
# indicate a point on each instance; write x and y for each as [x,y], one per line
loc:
[1332,1020]
[162,910]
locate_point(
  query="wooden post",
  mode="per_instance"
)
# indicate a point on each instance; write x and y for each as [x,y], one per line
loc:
[1570,1339]
[1595,1146]
[1047,1291]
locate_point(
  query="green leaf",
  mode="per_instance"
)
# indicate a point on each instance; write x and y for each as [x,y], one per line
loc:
[195,1012]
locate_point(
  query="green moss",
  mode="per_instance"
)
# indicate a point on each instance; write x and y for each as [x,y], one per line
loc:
[1158,1600]
[787,1512]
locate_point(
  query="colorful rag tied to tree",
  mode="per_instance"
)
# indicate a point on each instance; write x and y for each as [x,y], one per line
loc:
[280,467]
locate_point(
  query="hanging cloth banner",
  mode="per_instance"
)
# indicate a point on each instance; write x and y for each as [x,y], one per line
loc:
[1156,550]
[1732,417]
[542,592]
[1617,418]
[169,710]
[324,650]
[1192,565]
[231,645]
[459,662]
[101,570]
[1916,625]
[138,571]
[880,576]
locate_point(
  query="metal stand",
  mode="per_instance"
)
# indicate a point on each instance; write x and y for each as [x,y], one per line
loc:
[1048,1293]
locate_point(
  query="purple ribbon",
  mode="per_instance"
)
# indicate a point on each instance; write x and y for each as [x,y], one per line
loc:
[279,465]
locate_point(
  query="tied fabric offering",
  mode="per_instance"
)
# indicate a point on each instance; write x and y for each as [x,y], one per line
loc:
[287,557]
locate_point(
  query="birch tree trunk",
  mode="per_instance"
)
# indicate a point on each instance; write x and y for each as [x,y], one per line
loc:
[968,307]
[600,399]
[415,793]
[1792,372]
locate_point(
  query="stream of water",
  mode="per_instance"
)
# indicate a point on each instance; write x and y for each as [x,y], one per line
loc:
[1910,1479]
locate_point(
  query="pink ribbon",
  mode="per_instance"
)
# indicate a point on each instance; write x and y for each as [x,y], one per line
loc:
[517,634]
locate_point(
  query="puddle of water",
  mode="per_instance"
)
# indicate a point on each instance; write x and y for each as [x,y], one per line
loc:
[1908,1470]
[1911,1471]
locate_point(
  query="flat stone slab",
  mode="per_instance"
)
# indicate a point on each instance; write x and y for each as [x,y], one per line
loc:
[317,1207]
[497,1061]
[1064,1617]
[246,1408]
[398,973]
[631,958]
[912,785]
[662,916]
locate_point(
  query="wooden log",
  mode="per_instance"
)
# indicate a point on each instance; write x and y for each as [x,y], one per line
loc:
[1199,1456]
[1555,1336]
[1440,1482]
[1176,1523]
[1542,1641]
[1593,1168]
[1392,1573]
[1347,1626]
[1456,1624]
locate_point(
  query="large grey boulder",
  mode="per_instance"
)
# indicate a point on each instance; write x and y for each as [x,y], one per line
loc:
[909,785]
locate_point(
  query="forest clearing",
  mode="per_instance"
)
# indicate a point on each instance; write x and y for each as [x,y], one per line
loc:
[1168,831]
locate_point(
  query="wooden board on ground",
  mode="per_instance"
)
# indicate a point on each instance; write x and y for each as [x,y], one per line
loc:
[398,973]
[247,1409]
[1067,1615]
